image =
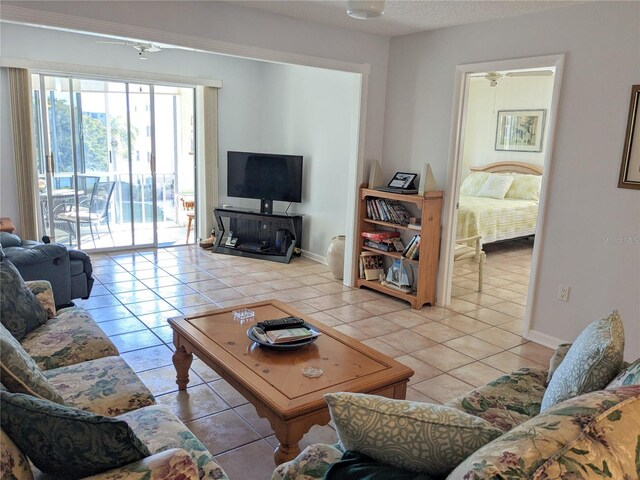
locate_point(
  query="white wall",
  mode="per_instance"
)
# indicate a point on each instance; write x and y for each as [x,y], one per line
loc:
[309,112]
[264,107]
[588,219]
[511,93]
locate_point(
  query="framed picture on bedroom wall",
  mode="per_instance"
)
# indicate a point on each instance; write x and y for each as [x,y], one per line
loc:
[520,130]
[630,169]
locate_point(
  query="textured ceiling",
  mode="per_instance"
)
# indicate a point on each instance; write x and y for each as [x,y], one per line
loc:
[402,17]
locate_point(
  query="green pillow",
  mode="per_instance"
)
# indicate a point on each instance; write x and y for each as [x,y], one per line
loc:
[628,376]
[66,441]
[420,437]
[19,373]
[20,311]
[591,362]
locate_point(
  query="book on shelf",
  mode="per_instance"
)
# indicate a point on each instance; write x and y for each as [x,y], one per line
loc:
[412,251]
[380,235]
[383,246]
[391,211]
[372,265]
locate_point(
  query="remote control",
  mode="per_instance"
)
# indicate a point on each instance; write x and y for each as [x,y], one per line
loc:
[279,323]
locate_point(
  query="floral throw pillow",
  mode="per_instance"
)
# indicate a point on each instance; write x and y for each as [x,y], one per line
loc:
[628,376]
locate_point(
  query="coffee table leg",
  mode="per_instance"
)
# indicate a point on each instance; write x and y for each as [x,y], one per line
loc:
[284,453]
[182,361]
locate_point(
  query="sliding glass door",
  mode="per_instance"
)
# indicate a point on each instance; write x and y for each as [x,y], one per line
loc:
[96,144]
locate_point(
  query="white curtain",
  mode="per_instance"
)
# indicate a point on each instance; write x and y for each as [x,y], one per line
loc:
[207,158]
[20,94]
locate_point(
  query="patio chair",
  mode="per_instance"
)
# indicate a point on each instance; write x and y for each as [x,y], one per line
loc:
[93,211]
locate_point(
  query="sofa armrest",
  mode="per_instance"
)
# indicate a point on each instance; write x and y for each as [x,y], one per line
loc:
[84,258]
[36,254]
[44,294]
[167,465]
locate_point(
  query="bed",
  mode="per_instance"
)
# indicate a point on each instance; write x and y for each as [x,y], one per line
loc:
[499,201]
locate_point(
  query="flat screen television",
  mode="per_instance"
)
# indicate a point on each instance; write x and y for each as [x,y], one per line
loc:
[266,176]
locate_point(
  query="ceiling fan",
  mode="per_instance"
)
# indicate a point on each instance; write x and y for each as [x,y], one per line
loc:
[493,77]
[141,47]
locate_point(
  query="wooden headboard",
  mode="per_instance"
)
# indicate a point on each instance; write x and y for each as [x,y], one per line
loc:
[511,167]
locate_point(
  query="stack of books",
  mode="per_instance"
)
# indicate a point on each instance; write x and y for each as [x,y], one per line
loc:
[412,250]
[385,210]
[383,240]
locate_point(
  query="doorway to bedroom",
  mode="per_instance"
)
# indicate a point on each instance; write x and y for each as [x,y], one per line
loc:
[506,119]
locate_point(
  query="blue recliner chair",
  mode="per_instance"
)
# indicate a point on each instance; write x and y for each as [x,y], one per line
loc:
[69,271]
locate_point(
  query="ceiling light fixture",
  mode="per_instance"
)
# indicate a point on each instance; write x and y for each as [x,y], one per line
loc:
[365,9]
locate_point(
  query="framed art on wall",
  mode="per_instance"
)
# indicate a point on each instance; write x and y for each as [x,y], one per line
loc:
[520,130]
[630,169]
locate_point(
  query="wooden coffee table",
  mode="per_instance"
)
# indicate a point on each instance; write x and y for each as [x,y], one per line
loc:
[272,380]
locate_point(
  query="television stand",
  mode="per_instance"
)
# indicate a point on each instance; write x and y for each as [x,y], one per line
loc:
[270,236]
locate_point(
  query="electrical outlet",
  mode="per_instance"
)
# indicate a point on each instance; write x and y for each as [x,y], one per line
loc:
[563,293]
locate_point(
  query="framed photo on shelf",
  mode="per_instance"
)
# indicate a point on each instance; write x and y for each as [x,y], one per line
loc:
[630,169]
[402,180]
[520,130]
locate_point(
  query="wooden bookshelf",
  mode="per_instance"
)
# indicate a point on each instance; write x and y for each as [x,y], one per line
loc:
[426,271]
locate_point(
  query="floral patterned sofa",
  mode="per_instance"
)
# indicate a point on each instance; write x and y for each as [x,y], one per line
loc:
[546,430]
[67,363]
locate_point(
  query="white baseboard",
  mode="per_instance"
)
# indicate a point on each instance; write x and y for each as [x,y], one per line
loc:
[543,339]
[315,257]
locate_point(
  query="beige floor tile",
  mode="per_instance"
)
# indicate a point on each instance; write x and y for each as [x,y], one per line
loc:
[533,351]
[422,370]
[352,332]
[326,302]
[443,387]
[375,326]
[443,357]
[476,374]
[228,393]
[255,289]
[465,324]
[192,403]
[473,347]
[437,332]
[407,342]
[500,337]
[250,415]
[331,287]
[435,313]
[382,306]
[461,306]
[417,396]
[492,317]
[312,279]
[383,347]
[286,284]
[509,362]
[163,380]
[515,326]
[326,319]
[224,294]
[223,431]
[358,296]
[479,298]
[348,313]
[509,308]
[406,318]
[304,293]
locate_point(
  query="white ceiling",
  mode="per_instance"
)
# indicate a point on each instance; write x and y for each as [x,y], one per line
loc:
[402,17]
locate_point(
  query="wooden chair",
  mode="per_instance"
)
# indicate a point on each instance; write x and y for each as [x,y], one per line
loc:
[188,204]
[463,253]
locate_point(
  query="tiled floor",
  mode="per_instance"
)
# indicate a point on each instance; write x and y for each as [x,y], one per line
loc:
[452,350]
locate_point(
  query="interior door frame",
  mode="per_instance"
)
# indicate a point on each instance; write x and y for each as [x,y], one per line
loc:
[458,120]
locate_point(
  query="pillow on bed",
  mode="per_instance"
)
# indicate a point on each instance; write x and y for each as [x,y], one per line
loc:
[496,186]
[525,187]
[473,183]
